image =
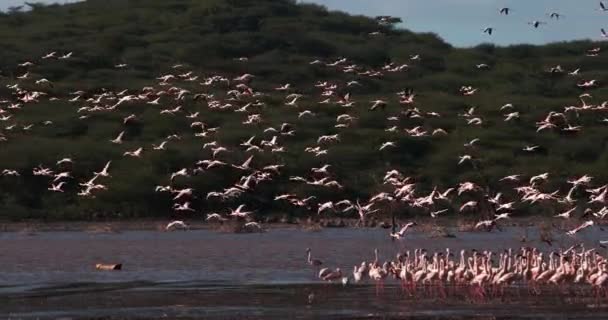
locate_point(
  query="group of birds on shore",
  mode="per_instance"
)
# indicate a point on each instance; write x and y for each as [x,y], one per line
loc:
[483,273]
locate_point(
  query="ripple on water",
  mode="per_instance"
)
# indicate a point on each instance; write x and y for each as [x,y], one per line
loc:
[203,274]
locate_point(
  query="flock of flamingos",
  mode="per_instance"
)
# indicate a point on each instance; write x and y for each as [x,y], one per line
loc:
[479,270]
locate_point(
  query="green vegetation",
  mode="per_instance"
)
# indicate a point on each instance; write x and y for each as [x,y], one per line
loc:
[280,39]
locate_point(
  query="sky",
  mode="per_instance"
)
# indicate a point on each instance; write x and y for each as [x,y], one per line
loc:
[460,22]
[5,4]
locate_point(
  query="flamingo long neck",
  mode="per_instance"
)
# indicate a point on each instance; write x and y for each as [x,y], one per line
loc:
[486,265]
[462,259]
[489,261]
[309,257]
[475,265]
[518,266]
[501,262]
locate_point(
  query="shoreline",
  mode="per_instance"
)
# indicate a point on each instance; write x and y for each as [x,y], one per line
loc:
[424,224]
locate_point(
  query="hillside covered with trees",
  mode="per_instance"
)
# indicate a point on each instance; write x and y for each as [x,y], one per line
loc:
[219,69]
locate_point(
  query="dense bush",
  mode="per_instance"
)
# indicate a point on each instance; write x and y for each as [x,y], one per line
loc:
[279,38]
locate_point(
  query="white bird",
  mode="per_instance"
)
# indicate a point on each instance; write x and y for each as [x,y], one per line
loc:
[177,224]
[66,56]
[62,175]
[540,177]
[321,170]
[64,160]
[565,214]
[325,206]
[584,225]
[135,153]
[254,225]
[513,177]
[464,158]
[401,233]
[183,173]
[386,145]
[57,187]
[377,103]
[471,143]
[183,207]
[118,139]
[161,146]
[505,215]
[245,165]
[215,216]
[485,224]
[104,171]
[240,213]
[511,116]
[182,193]
[50,55]
[435,214]
[470,204]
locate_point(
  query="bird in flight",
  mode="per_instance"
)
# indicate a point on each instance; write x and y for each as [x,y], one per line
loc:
[398,235]
[536,23]
[556,15]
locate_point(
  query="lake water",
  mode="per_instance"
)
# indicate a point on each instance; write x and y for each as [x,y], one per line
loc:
[205,274]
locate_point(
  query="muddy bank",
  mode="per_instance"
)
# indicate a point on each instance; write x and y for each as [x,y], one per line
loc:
[198,223]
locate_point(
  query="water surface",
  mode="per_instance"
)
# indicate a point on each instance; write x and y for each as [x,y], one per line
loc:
[206,274]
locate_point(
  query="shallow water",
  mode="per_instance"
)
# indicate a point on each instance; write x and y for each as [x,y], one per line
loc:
[205,274]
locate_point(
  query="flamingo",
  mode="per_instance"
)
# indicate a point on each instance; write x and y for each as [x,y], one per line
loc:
[135,153]
[215,216]
[183,207]
[584,225]
[240,213]
[104,171]
[177,224]
[57,187]
[377,103]
[118,139]
[401,233]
